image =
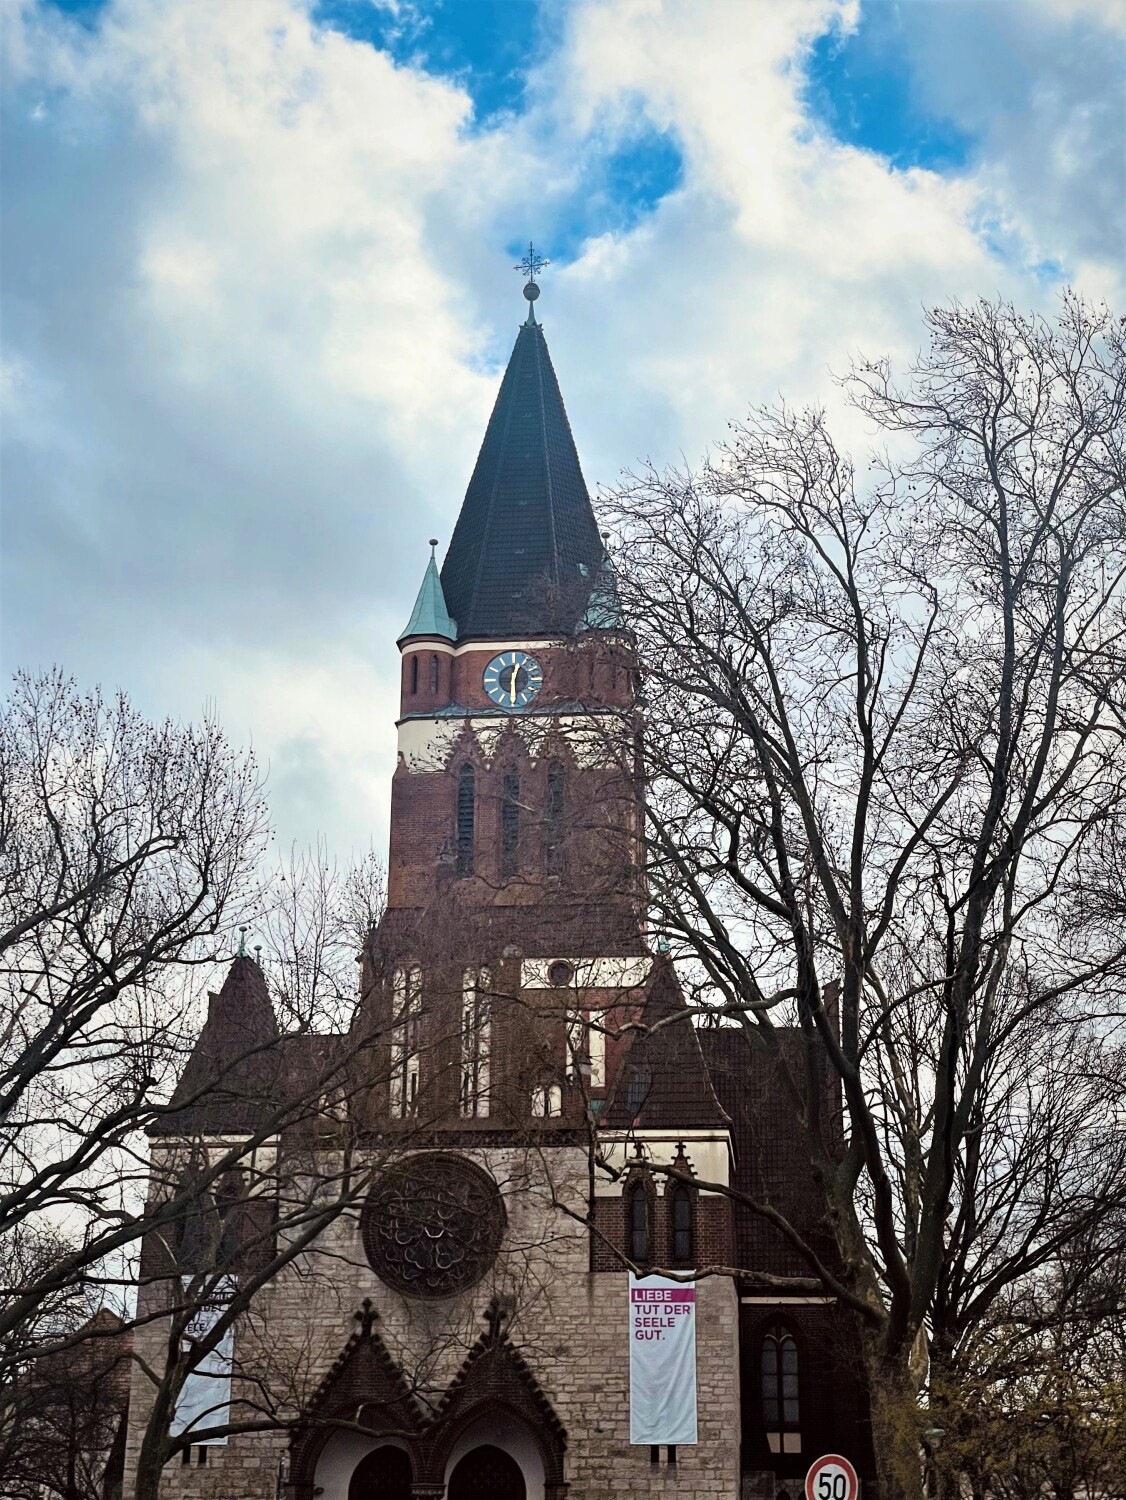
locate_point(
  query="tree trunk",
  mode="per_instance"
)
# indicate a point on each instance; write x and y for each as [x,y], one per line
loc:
[154,1447]
[895,1430]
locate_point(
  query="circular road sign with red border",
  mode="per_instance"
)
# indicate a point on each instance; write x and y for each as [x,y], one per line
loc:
[832,1478]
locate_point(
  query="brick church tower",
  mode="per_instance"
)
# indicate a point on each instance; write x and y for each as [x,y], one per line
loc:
[535,1113]
[514,877]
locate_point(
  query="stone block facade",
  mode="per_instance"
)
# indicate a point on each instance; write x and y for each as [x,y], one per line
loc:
[568,1326]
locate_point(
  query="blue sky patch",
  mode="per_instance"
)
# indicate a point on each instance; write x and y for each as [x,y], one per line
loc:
[485,45]
[860,87]
[86,11]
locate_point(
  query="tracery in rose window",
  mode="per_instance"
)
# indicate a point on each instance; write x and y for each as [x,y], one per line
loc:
[432,1225]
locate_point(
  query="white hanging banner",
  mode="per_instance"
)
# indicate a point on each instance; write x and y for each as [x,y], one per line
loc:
[662,1360]
[205,1396]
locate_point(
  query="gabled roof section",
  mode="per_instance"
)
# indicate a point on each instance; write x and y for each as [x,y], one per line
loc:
[231,1080]
[525,553]
[493,1362]
[663,1081]
[365,1374]
[430,615]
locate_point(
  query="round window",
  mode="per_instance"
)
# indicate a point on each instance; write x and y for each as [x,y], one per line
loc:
[559,973]
[432,1225]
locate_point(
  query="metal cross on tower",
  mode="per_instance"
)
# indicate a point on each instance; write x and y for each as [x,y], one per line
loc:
[532,263]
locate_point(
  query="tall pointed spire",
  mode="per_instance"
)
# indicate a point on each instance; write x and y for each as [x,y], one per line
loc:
[525,552]
[430,615]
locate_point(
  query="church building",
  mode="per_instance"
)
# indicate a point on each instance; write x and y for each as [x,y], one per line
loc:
[537,1116]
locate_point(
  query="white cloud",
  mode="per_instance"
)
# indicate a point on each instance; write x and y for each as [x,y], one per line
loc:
[256,290]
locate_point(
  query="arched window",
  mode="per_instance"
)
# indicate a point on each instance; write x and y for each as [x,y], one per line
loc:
[680,1222]
[553,818]
[547,1101]
[414,674]
[476,1028]
[229,1197]
[637,1217]
[406,1002]
[466,809]
[510,825]
[433,674]
[781,1414]
[196,1227]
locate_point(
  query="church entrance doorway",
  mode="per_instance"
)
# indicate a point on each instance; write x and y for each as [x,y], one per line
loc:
[384,1474]
[487,1473]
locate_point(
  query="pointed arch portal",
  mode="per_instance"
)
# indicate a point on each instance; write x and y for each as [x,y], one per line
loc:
[487,1473]
[385,1474]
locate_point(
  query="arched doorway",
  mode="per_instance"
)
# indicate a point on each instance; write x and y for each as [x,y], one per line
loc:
[385,1474]
[487,1473]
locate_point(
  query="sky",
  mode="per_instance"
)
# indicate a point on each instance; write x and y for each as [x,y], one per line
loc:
[258,292]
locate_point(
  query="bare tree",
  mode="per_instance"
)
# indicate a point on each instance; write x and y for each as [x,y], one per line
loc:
[885,713]
[126,848]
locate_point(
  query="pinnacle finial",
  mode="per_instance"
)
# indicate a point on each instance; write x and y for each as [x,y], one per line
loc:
[530,266]
[242,942]
[367,1317]
[496,1316]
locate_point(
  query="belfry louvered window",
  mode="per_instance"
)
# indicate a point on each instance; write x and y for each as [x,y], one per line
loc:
[476,1030]
[466,815]
[433,674]
[406,1019]
[414,674]
[553,818]
[781,1413]
[510,825]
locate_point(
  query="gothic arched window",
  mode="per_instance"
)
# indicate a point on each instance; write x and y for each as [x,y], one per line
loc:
[414,674]
[466,812]
[476,1028]
[680,1222]
[434,673]
[229,1196]
[510,824]
[553,818]
[406,1021]
[781,1414]
[195,1233]
[637,1219]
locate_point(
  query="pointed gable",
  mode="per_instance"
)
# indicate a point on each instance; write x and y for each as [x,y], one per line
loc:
[663,1082]
[230,1082]
[525,552]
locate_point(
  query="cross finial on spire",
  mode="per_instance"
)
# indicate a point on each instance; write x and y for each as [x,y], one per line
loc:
[530,266]
[532,263]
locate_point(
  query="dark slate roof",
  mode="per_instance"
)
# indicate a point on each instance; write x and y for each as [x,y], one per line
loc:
[525,552]
[772,1164]
[232,1079]
[663,1082]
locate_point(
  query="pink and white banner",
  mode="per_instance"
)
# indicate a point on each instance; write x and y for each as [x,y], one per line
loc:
[662,1360]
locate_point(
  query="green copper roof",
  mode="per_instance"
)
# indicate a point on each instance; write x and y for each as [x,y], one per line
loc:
[430,616]
[525,552]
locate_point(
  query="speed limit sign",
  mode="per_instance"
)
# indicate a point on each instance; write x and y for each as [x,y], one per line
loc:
[832,1478]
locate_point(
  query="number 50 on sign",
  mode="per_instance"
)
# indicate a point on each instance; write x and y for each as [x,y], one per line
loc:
[832,1478]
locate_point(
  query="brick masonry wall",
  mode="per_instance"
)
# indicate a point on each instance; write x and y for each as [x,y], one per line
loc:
[570,1326]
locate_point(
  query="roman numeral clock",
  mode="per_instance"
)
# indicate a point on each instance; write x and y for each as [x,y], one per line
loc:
[513,679]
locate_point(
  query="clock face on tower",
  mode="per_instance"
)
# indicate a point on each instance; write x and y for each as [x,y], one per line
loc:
[513,679]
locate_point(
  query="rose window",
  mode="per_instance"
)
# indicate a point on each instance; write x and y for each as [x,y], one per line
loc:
[432,1225]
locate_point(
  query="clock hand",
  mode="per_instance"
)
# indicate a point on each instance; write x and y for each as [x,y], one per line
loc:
[512,681]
